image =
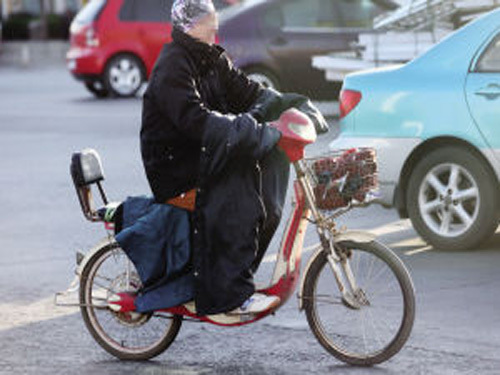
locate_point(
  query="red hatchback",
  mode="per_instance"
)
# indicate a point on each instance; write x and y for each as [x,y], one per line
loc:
[115,43]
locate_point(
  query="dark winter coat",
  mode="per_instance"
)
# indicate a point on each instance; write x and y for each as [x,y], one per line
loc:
[191,139]
[192,84]
[197,133]
[157,239]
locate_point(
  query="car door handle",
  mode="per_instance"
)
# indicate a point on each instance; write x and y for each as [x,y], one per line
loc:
[490,92]
[279,41]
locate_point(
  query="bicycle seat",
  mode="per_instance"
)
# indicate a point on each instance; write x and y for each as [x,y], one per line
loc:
[185,200]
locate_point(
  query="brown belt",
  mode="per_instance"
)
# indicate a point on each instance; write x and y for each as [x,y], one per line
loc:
[185,201]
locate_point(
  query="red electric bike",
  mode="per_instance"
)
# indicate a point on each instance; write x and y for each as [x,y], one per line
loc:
[357,295]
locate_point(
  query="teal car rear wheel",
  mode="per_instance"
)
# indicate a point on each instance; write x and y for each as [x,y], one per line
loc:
[452,199]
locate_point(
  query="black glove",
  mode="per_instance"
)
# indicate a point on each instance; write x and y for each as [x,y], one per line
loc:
[271,104]
[315,115]
[267,107]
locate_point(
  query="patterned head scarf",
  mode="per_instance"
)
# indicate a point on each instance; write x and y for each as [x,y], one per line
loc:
[186,13]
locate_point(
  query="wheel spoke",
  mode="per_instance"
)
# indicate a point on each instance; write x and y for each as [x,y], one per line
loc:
[388,290]
[445,222]
[363,329]
[438,186]
[326,299]
[454,177]
[115,72]
[125,76]
[357,261]
[449,209]
[104,278]
[109,289]
[432,206]
[379,273]
[126,335]
[375,327]
[464,195]
[131,80]
[368,275]
[463,215]
[376,331]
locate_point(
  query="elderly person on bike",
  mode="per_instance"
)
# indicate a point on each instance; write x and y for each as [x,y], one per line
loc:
[205,146]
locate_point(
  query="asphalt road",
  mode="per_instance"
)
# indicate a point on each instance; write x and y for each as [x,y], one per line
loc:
[45,116]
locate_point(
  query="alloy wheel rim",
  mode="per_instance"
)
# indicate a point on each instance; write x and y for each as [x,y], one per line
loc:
[449,200]
[125,76]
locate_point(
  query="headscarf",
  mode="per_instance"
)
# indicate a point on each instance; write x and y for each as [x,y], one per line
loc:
[186,13]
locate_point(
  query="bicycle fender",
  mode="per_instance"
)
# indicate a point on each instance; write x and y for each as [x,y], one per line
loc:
[355,236]
[104,242]
[351,236]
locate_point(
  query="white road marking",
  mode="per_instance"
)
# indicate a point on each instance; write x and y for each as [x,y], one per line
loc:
[419,250]
[17,314]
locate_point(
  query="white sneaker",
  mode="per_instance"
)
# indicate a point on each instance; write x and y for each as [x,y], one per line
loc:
[257,303]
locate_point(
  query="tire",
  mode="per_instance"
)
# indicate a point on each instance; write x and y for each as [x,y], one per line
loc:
[124,75]
[97,88]
[453,213]
[342,327]
[111,330]
[264,77]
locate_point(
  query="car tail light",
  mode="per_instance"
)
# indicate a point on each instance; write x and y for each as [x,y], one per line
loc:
[75,28]
[349,99]
[91,38]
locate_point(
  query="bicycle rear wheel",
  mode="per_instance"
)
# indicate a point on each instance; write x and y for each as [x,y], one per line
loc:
[373,322]
[127,336]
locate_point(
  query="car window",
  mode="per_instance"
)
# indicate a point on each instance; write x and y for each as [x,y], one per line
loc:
[490,60]
[146,10]
[90,12]
[324,13]
[300,13]
[272,18]
[357,13]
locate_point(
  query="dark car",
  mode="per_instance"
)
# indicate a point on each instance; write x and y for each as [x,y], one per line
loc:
[274,40]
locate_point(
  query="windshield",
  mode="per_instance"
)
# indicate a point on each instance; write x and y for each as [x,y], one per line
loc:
[357,13]
[90,12]
[329,14]
[316,13]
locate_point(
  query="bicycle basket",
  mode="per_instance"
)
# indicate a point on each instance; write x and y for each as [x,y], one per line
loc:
[342,176]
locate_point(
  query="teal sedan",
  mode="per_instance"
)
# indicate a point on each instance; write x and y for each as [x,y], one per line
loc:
[435,123]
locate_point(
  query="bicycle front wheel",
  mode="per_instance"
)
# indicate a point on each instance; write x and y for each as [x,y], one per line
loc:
[127,336]
[370,324]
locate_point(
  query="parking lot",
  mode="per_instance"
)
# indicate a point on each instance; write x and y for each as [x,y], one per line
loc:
[45,116]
